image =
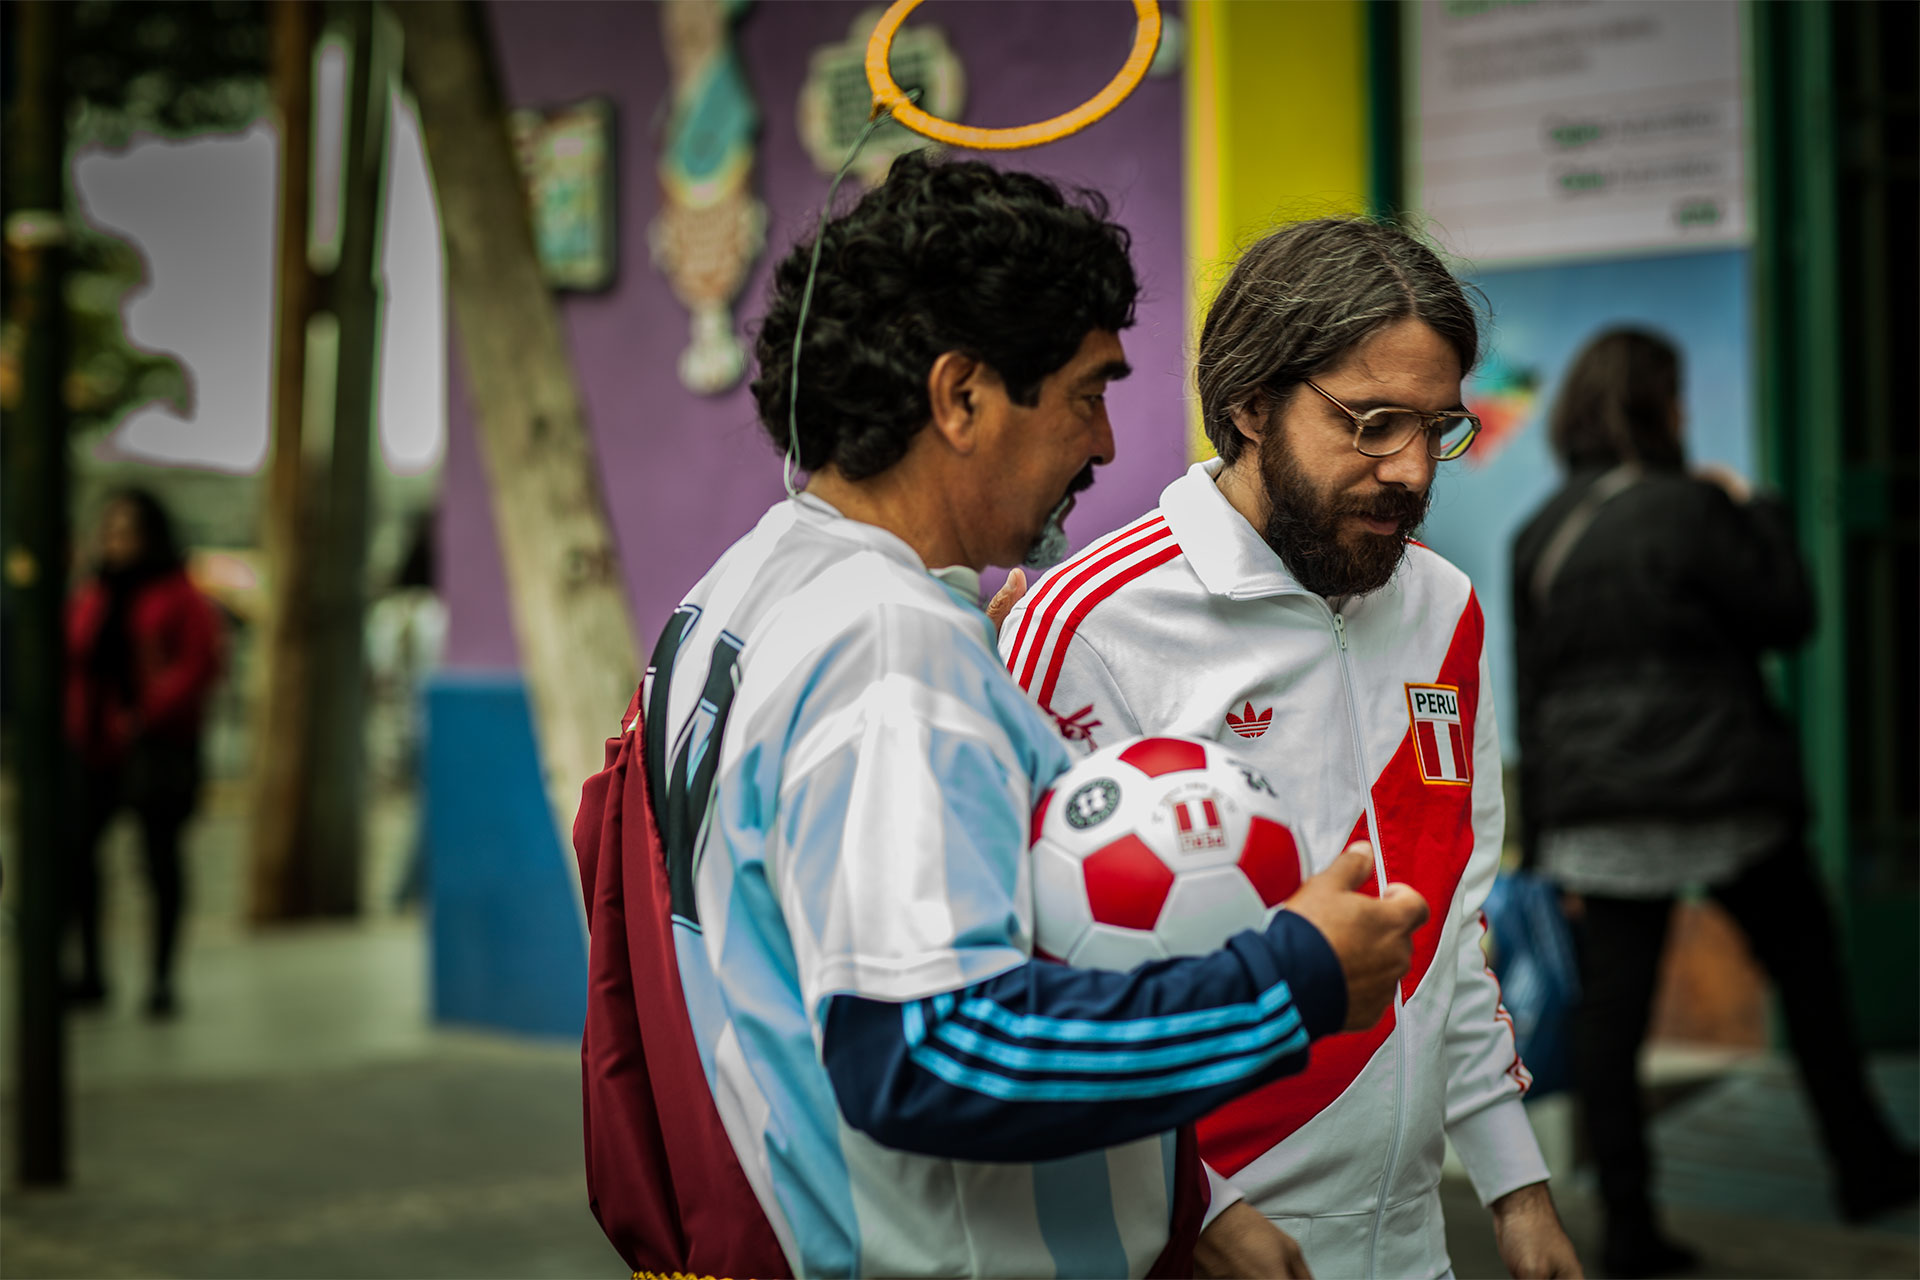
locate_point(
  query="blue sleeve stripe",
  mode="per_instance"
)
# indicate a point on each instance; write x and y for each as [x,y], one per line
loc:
[1034,1026]
[1008,1088]
[1188,1053]
[913,1023]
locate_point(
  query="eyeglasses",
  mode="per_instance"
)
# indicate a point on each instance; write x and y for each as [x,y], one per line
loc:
[1381,433]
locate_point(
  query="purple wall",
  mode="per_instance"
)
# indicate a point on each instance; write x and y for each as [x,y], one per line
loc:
[686,475]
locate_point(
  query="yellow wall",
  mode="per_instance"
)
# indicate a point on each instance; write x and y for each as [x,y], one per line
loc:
[1276,128]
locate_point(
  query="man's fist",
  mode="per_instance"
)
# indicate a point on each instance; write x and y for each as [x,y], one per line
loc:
[1372,937]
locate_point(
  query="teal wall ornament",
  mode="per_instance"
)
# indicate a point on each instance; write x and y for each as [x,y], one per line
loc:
[711,226]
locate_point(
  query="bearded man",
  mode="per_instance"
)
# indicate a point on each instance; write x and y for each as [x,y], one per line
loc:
[1275,601]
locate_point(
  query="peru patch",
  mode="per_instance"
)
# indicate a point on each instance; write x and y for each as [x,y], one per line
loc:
[1439,735]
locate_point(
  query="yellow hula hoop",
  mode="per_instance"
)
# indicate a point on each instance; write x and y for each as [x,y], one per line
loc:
[887,94]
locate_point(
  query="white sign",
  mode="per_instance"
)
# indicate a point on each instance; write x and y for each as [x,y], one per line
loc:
[1557,128]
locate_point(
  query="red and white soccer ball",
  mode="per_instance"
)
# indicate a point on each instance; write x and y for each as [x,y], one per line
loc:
[1157,847]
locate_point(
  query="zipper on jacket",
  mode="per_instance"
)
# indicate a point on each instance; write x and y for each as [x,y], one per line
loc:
[1399,1013]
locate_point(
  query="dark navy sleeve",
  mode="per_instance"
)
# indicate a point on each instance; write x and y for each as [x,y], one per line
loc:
[1046,1060]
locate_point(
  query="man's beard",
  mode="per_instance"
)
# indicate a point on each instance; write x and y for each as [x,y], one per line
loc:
[1050,548]
[1304,526]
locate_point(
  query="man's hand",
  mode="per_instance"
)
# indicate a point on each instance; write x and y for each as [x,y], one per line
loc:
[1241,1242]
[1373,938]
[1006,597]
[1532,1242]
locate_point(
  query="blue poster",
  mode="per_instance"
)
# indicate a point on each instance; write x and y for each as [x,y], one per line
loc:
[1541,317]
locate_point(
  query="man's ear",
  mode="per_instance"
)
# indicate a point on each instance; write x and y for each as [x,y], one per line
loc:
[954,387]
[1251,418]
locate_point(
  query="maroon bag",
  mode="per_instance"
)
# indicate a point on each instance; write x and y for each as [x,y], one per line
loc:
[662,1177]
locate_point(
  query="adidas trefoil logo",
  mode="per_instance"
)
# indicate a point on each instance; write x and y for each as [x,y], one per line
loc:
[1250,723]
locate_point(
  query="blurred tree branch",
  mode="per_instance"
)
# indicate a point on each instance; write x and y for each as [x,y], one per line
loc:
[173,68]
[133,68]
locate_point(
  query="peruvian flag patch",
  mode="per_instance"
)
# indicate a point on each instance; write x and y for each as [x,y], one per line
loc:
[1439,736]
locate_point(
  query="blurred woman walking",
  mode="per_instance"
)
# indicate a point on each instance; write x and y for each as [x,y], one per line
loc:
[143,651]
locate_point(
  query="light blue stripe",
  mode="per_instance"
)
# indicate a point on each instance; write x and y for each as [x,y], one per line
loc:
[1034,1026]
[800,1140]
[1073,1198]
[943,1005]
[914,1023]
[970,1041]
[816,817]
[983,833]
[705,1006]
[1010,1089]
[1170,1157]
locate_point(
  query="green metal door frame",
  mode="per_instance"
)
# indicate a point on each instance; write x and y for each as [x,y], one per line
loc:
[1802,396]
[1829,117]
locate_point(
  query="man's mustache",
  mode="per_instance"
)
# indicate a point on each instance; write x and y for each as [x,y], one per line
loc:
[1402,507]
[1082,482]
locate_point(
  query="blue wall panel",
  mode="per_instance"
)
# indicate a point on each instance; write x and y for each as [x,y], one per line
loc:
[509,945]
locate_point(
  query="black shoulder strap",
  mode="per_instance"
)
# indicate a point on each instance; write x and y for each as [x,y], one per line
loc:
[1575,525]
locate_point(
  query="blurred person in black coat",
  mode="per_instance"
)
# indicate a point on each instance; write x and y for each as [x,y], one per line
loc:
[1652,759]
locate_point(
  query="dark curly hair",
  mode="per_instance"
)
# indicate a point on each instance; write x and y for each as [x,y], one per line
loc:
[1003,267]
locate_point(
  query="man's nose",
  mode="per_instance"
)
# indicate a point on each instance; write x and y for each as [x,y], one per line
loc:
[1103,446]
[1411,468]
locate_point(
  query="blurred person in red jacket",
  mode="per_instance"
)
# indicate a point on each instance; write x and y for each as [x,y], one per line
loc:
[143,651]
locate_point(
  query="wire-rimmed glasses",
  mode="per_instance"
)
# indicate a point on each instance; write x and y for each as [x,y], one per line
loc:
[1383,432]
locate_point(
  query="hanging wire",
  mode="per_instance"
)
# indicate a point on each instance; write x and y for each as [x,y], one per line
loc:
[790,463]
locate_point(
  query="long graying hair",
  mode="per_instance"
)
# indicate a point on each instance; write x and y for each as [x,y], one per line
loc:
[1306,295]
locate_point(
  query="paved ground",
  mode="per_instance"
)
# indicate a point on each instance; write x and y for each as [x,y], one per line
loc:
[302,1119]
[1742,1179]
[463,1162]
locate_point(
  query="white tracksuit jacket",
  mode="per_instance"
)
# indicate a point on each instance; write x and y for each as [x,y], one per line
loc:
[1373,721]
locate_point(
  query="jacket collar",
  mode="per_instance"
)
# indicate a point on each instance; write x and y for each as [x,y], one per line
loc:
[1228,555]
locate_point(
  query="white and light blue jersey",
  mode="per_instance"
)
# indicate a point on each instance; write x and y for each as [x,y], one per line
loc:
[866,836]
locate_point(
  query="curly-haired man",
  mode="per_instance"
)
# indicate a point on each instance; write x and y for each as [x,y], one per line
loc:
[842,774]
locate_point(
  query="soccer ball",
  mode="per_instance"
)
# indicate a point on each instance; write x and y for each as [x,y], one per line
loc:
[1157,847]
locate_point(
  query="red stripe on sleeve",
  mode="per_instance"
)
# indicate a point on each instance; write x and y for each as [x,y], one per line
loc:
[1094,597]
[1072,582]
[1052,585]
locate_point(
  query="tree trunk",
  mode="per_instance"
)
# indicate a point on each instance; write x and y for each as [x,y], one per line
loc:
[36,580]
[310,807]
[337,809]
[284,687]
[568,600]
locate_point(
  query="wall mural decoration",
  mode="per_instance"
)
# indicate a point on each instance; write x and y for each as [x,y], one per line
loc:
[835,99]
[566,156]
[711,227]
